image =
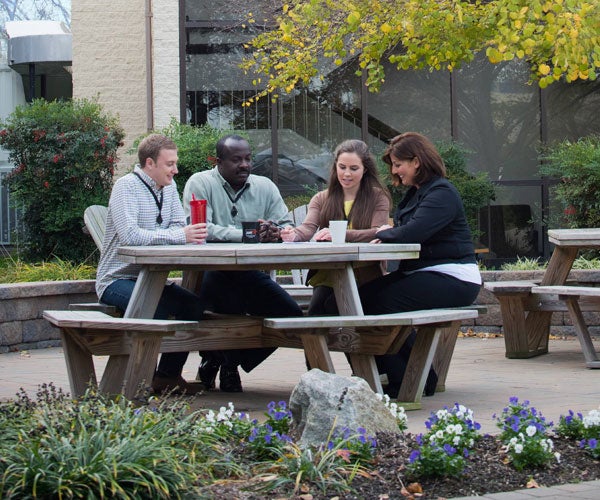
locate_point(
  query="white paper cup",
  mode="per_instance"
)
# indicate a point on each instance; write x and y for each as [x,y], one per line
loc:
[337,228]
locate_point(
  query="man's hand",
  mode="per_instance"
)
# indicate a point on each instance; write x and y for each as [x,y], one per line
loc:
[196,233]
[269,232]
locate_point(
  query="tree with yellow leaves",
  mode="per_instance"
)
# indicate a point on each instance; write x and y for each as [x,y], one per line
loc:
[558,38]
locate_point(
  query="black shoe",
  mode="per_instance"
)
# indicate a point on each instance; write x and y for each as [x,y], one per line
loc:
[207,372]
[230,379]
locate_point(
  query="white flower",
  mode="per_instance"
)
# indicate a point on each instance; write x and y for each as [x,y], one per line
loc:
[557,456]
[518,448]
[547,444]
[531,430]
[591,419]
[439,434]
[442,414]
[456,441]
[513,441]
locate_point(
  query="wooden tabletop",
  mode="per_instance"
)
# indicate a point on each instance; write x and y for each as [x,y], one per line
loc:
[264,255]
[585,237]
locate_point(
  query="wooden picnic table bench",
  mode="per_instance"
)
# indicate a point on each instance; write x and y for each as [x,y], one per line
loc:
[571,296]
[363,337]
[526,318]
[134,344]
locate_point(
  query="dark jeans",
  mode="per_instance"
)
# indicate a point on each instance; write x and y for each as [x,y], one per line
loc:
[398,292]
[322,299]
[175,302]
[245,292]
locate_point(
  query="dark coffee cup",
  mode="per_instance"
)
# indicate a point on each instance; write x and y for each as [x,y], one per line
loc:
[250,231]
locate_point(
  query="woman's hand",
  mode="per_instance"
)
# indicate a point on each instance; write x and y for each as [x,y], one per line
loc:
[323,235]
[384,227]
[288,234]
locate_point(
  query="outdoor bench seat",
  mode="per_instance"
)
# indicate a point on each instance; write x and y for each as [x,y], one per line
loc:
[95,306]
[135,350]
[571,296]
[133,345]
[362,337]
[517,298]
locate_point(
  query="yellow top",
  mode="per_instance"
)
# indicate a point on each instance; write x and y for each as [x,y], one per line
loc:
[323,276]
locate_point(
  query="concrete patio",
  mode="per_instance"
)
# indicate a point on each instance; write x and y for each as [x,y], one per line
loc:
[480,377]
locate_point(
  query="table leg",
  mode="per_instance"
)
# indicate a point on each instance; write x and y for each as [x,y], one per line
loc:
[443,353]
[559,266]
[192,280]
[518,325]
[146,294]
[583,334]
[415,376]
[346,292]
[140,365]
[142,304]
[348,302]
[317,352]
[80,365]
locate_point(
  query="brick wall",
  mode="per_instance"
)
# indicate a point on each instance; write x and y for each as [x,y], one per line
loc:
[109,61]
[165,48]
[21,322]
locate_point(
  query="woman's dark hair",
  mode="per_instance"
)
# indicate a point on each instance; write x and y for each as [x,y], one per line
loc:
[361,214]
[413,145]
[151,146]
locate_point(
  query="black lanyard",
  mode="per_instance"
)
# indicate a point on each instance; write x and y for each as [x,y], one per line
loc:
[234,210]
[158,203]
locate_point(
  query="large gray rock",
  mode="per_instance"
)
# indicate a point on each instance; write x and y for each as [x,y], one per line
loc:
[323,400]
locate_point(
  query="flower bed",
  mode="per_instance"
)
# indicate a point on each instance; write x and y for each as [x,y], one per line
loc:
[94,447]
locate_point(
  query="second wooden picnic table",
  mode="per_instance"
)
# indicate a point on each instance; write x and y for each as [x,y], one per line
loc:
[525,322]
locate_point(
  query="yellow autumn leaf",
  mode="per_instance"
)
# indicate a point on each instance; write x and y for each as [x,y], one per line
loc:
[353,17]
[386,28]
[544,69]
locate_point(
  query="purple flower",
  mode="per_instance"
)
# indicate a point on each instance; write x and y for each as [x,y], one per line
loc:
[414,456]
[450,450]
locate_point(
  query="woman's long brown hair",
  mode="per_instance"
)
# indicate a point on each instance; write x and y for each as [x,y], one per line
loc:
[361,215]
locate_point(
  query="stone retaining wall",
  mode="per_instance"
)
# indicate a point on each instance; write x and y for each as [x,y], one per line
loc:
[21,306]
[22,326]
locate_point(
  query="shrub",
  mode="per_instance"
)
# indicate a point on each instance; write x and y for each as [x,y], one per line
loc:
[65,153]
[476,190]
[195,147]
[99,448]
[586,430]
[524,434]
[577,165]
[442,450]
[57,270]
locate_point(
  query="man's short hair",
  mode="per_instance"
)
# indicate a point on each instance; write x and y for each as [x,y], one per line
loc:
[151,146]
[222,149]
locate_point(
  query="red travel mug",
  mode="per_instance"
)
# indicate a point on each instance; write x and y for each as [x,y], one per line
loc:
[197,211]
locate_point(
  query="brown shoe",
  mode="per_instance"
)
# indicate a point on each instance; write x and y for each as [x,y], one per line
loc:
[176,385]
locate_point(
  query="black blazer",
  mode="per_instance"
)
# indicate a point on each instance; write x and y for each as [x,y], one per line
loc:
[434,216]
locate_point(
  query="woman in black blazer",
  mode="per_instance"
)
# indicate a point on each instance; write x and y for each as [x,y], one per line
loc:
[432,214]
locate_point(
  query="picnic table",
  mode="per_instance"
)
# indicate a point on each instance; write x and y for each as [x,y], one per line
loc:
[158,261]
[134,341]
[526,315]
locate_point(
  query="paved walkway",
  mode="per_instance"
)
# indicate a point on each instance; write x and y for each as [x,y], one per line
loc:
[480,378]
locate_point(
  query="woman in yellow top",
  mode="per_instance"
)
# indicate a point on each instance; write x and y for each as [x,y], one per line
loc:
[356,194]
